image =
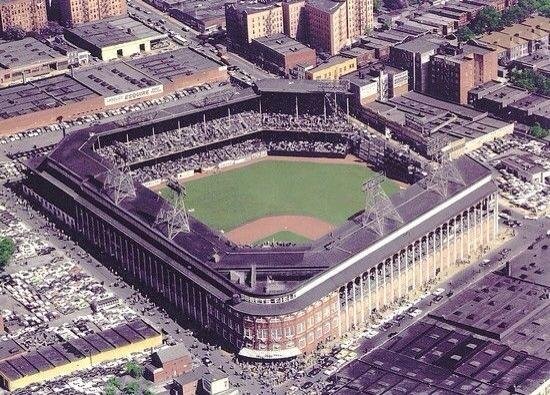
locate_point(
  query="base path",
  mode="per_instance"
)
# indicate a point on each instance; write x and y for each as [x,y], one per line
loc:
[309,227]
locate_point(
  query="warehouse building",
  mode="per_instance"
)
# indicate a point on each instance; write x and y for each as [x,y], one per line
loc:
[27,59]
[431,126]
[99,88]
[114,38]
[77,354]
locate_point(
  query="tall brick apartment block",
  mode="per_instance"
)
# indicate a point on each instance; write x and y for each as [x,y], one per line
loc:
[28,15]
[75,12]
[456,70]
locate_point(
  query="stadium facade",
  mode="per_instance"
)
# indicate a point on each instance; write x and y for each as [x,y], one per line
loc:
[272,302]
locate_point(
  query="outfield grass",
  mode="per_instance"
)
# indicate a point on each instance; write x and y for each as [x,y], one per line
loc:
[330,192]
[284,236]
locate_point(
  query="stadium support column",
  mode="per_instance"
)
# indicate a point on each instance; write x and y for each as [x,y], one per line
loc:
[384,282]
[399,279]
[392,279]
[428,257]
[448,245]
[346,305]
[454,242]
[469,231]
[413,266]
[475,227]
[495,215]
[434,260]
[362,298]
[354,303]
[407,270]
[370,294]
[377,286]
[462,236]
[441,249]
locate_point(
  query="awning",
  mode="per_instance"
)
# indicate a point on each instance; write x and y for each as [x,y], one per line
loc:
[270,354]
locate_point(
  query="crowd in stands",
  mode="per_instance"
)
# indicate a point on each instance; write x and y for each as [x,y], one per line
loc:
[308,146]
[176,142]
[200,134]
[198,160]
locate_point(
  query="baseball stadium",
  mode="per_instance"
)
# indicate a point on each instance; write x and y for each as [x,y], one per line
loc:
[268,215]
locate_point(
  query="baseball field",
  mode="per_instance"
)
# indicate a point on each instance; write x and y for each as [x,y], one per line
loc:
[280,200]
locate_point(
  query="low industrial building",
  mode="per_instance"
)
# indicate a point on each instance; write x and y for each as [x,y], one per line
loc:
[431,126]
[527,167]
[114,38]
[10,349]
[510,102]
[279,53]
[333,69]
[77,354]
[77,56]
[99,88]
[28,59]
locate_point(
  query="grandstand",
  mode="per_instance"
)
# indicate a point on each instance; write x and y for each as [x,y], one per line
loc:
[265,303]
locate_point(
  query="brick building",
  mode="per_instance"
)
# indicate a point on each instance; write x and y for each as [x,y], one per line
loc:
[29,15]
[75,12]
[247,21]
[333,69]
[295,19]
[453,74]
[168,363]
[280,53]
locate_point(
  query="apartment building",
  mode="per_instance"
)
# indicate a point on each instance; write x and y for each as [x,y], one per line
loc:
[29,15]
[76,12]
[247,21]
[333,24]
[456,70]
[295,19]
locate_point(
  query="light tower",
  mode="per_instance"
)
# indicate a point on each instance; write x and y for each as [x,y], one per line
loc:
[378,206]
[442,174]
[119,184]
[174,216]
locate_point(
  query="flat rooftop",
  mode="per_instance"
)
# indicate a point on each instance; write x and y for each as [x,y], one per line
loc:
[282,44]
[26,52]
[494,306]
[430,357]
[114,78]
[114,31]
[167,66]
[418,45]
[42,95]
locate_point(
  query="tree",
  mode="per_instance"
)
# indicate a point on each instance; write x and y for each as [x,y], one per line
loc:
[14,33]
[538,131]
[110,390]
[146,391]
[131,388]
[7,248]
[464,34]
[488,19]
[114,382]
[134,369]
